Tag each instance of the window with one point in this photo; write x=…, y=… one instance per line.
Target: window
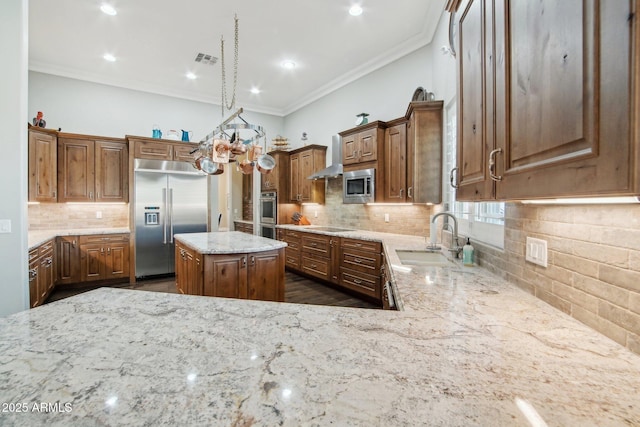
x=481, y=221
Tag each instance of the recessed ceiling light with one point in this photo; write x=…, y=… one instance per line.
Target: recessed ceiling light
x=355, y=10
x=108, y=9
x=255, y=90
x=109, y=57
x=288, y=65
x=191, y=76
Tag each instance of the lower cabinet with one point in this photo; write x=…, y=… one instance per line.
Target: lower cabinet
x=258, y=275
x=41, y=273
x=243, y=227
x=104, y=257
x=351, y=264
x=68, y=262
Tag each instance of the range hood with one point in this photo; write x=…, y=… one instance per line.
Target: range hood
x=335, y=170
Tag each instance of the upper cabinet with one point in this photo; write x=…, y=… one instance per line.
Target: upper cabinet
x=546, y=112
x=304, y=162
x=278, y=179
x=160, y=149
x=92, y=169
x=362, y=144
x=424, y=152
x=43, y=175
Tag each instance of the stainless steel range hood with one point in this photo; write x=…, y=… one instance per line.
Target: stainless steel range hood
x=335, y=170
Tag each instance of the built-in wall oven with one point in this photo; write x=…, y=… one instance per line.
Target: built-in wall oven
x=268, y=214
x=359, y=186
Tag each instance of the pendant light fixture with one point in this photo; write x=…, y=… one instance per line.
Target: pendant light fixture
x=235, y=139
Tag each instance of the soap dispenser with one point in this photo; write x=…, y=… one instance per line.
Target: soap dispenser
x=467, y=253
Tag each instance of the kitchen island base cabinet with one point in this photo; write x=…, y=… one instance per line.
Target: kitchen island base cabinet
x=257, y=276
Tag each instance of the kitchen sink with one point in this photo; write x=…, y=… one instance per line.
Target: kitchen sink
x=423, y=257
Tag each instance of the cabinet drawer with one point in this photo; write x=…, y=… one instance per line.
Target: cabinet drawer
x=153, y=150
x=367, y=262
x=33, y=254
x=293, y=244
x=182, y=153
x=291, y=234
x=316, y=243
x=292, y=258
x=365, y=284
x=46, y=247
x=316, y=266
x=361, y=245
x=104, y=238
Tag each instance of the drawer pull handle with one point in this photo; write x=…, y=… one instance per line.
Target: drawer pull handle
x=358, y=244
x=313, y=266
x=357, y=281
x=358, y=260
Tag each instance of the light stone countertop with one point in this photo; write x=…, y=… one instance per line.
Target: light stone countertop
x=228, y=242
x=37, y=237
x=469, y=349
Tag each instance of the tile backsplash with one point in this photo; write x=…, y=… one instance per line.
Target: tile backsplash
x=47, y=216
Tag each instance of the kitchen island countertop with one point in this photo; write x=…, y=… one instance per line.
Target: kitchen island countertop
x=228, y=242
x=470, y=349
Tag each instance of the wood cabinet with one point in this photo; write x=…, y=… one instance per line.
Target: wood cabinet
x=304, y=162
x=41, y=273
x=360, y=267
x=189, y=270
x=278, y=179
x=243, y=227
x=352, y=264
x=395, y=168
x=104, y=257
x=424, y=152
x=160, y=149
x=545, y=112
x=362, y=144
x=43, y=165
x=68, y=261
x=92, y=169
x=258, y=275
x=247, y=197
x=292, y=251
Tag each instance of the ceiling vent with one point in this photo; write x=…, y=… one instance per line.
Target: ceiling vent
x=206, y=59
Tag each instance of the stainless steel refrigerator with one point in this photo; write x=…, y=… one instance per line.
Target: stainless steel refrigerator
x=170, y=198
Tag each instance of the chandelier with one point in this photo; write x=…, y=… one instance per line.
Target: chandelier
x=235, y=139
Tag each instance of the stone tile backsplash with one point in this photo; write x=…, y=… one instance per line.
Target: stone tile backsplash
x=47, y=216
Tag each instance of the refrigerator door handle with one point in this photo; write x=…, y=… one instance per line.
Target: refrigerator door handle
x=171, y=211
x=164, y=217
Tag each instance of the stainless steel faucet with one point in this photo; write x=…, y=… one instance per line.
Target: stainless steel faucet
x=455, y=247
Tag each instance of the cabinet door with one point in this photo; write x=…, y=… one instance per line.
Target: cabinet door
x=306, y=169
x=564, y=98
x=68, y=260
x=266, y=276
x=395, y=164
x=116, y=260
x=424, y=152
x=93, y=261
x=181, y=266
x=111, y=172
x=34, y=294
x=225, y=276
x=43, y=178
x=76, y=170
x=294, y=183
x=350, y=149
x=475, y=141
x=182, y=152
x=368, y=145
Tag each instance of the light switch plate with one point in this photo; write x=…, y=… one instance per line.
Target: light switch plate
x=536, y=251
x=5, y=226
x=386, y=217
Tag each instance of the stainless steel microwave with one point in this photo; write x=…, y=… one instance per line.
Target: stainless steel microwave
x=359, y=186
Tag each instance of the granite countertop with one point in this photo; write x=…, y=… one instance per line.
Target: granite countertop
x=470, y=349
x=228, y=242
x=37, y=237
x=243, y=221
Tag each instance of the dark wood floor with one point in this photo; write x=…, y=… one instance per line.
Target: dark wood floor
x=298, y=289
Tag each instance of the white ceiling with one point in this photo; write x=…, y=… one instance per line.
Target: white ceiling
x=156, y=42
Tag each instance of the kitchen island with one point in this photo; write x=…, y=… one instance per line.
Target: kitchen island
x=230, y=264
x=469, y=349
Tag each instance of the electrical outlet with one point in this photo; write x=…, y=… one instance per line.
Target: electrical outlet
x=386, y=217
x=5, y=226
x=536, y=251
x=99, y=214
x=315, y=214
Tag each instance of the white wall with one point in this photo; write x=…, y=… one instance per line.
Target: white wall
x=14, y=289
x=384, y=94
x=83, y=107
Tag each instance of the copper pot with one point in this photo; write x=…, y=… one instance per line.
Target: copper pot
x=245, y=166
x=266, y=163
x=237, y=147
